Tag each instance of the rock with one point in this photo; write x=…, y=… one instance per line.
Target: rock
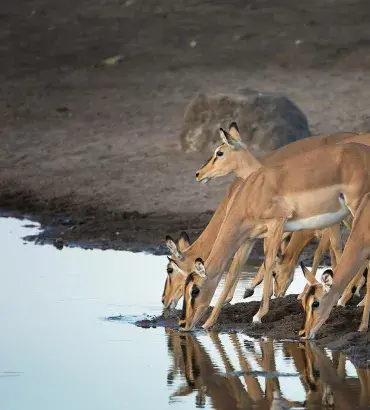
x=266, y=121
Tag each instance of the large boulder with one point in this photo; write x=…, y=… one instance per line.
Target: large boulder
x=266, y=121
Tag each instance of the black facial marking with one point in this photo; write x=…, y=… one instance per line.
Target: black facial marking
x=195, y=291
x=311, y=292
x=183, y=312
x=365, y=273
x=304, y=322
x=189, y=279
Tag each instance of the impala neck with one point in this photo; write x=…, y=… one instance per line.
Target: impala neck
x=203, y=245
x=298, y=241
x=246, y=163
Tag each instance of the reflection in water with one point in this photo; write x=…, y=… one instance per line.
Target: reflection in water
x=252, y=379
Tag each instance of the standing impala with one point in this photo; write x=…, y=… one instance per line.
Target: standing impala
x=243, y=163
x=236, y=158
x=313, y=190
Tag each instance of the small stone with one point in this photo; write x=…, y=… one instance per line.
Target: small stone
x=62, y=109
x=59, y=243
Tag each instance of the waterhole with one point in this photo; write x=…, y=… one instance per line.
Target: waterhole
x=58, y=351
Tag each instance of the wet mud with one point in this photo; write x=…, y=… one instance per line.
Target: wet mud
x=285, y=320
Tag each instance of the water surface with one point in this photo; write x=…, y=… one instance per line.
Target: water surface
x=59, y=351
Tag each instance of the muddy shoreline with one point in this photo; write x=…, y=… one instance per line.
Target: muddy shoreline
x=283, y=323
x=129, y=231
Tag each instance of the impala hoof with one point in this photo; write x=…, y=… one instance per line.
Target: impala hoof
x=256, y=319
x=248, y=293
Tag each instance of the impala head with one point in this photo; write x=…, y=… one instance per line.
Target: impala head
x=225, y=158
x=314, y=298
x=196, y=297
x=284, y=269
x=176, y=272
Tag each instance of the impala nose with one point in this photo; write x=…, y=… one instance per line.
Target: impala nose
x=197, y=174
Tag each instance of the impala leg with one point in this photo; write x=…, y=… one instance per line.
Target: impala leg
x=258, y=278
x=351, y=287
x=322, y=247
x=332, y=258
x=365, y=314
x=237, y=265
x=361, y=282
x=336, y=241
x=233, y=275
x=274, y=233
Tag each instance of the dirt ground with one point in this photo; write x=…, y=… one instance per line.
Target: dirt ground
x=94, y=150
x=283, y=322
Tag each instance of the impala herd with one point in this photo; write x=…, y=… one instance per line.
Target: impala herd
x=303, y=190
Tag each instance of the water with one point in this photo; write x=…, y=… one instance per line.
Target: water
x=59, y=351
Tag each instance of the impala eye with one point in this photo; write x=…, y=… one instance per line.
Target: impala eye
x=219, y=153
x=315, y=304
x=169, y=270
x=195, y=292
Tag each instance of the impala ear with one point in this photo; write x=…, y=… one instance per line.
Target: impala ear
x=175, y=251
x=199, y=268
x=184, y=241
x=230, y=141
x=234, y=131
x=308, y=275
x=327, y=279
x=175, y=267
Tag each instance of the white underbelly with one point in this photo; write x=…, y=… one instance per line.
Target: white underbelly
x=318, y=221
